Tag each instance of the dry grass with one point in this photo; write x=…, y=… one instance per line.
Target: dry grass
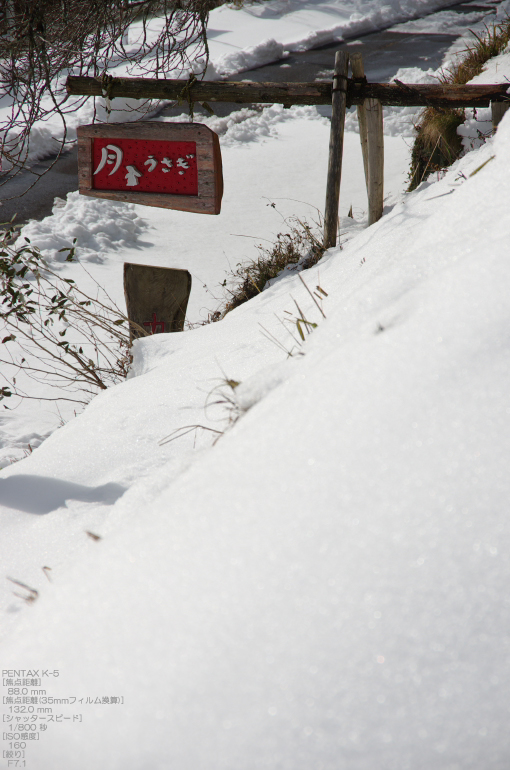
x=437, y=144
x=300, y=247
x=491, y=44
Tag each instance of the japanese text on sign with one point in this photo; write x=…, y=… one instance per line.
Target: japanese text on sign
x=145, y=166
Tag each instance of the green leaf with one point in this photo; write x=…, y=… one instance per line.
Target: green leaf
x=7, y=339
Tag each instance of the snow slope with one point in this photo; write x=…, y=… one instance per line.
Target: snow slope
x=325, y=586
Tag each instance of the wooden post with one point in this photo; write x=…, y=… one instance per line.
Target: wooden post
x=375, y=142
x=498, y=110
x=358, y=71
x=336, y=144
x=370, y=119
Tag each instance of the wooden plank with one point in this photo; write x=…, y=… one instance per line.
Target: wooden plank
x=208, y=164
x=375, y=142
x=156, y=298
x=370, y=119
x=210, y=91
x=358, y=71
x=336, y=144
x=396, y=94
x=426, y=94
x=498, y=110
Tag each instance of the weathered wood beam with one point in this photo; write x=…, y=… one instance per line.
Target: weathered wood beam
x=200, y=91
x=375, y=143
x=395, y=94
x=358, y=71
x=427, y=94
x=370, y=119
x=498, y=110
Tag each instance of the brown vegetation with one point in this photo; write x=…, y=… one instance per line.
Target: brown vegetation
x=437, y=144
x=299, y=247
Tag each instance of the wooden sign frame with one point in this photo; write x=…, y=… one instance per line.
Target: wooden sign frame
x=208, y=155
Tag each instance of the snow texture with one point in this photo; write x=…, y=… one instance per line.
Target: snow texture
x=324, y=584
x=98, y=225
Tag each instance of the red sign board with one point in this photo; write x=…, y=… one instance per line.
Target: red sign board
x=145, y=166
x=174, y=165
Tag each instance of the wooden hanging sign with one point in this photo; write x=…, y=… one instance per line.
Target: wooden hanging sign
x=172, y=165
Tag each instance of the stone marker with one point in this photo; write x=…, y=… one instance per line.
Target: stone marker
x=156, y=298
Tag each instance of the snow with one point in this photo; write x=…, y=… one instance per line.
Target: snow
x=325, y=584
x=99, y=227
x=298, y=26
x=478, y=123
x=283, y=158
x=399, y=121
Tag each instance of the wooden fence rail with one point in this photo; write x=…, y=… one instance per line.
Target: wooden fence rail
x=394, y=94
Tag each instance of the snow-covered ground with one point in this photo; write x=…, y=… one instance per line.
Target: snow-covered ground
x=326, y=584
x=260, y=33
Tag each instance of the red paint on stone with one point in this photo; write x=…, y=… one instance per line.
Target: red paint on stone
x=154, y=325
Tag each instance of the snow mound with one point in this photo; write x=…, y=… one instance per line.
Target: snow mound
x=327, y=585
x=252, y=125
x=99, y=226
x=264, y=52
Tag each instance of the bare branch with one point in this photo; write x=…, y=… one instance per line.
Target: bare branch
x=43, y=41
x=53, y=332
